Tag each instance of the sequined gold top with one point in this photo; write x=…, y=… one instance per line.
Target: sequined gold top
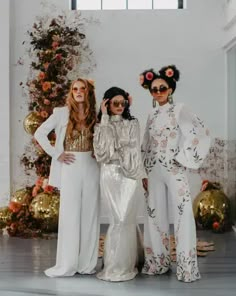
x=81, y=141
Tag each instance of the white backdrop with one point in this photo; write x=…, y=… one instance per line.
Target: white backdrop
x=125, y=43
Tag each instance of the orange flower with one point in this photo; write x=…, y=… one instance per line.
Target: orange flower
x=46, y=102
x=14, y=206
x=42, y=75
x=39, y=182
x=216, y=225
x=46, y=85
x=48, y=189
x=204, y=185
x=55, y=45
x=44, y=114
x=45, y=65
x=35, y=190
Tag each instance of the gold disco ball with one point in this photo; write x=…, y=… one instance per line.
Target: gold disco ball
x=5, y=216
x=211, y=210
x=22, y=196
x=45, y=209
x=31, y=122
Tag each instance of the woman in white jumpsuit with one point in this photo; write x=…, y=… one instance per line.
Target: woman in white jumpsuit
x=75, y=171
x=175, y=139
x=117, y=148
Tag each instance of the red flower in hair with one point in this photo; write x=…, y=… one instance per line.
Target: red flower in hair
x=130, y=99
x=149, y=75
x=141, y=79
x=169, y=72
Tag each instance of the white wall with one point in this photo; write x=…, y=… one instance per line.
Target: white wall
x=4, y=104
x=125, y=43
x=230, y=22
x=230, y=52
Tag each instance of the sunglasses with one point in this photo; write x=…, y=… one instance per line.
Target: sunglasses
x=120, y=103
x=161, y=89
x=81, y=89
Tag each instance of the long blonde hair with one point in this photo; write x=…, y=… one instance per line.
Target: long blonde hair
x=90, y=117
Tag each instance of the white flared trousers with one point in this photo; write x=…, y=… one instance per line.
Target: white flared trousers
x=78, y=229
x=172, y=182
x=120, y=249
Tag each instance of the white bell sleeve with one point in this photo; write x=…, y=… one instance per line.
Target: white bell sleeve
x=194, y=140
x=129, y=152
x=103, y=140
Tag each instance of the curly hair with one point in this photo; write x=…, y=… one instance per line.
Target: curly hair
x=168, y=73
x=111, y=93
x=90, y=117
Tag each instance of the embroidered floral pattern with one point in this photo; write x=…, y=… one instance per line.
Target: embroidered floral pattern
x=187, y=268
x=156, y=264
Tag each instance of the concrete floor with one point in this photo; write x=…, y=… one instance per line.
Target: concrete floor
x=22, y=262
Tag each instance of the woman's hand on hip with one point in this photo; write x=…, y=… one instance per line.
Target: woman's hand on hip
x=145, y=184
x=67, y=158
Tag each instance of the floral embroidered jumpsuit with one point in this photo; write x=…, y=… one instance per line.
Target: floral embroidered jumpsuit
x=175, y=139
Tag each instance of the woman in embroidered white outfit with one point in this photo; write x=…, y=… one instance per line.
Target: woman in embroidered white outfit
x=117, y=148
x=175, y=139
x=72, y=163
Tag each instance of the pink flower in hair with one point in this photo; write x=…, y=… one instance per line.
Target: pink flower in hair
x=130, y=99
x=141, y=79
x=169, y=72
x=149, y=75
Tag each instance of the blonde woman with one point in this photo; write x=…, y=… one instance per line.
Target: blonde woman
x=72, y=163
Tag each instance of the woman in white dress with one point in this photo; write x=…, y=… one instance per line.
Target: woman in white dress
x=175, y=139
x=72, y=163
x=117, y=148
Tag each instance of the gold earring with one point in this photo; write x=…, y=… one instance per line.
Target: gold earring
x=154, y=103
x=170, y=99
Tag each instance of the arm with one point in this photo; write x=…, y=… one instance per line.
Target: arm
x=103, y=141
x=195, y=140
x=129, y=151
x=42, y=132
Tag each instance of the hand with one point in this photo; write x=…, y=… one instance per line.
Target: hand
x=145, y=184
x=67, y=158
x=104, y=106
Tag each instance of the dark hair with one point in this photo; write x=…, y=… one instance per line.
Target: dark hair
x=168, y=73
x=111, y=93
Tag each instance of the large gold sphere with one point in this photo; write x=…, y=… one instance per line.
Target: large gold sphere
x=22, y=196
x=31, y=122
x=45, y=208
x=5, y=216
x=212, y=210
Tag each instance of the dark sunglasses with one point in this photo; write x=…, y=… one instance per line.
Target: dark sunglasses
x=120, y=103
x=81, y=89
x=161, y=89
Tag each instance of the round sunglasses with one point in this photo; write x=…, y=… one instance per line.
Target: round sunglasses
x=161, y=89
x=123, y=104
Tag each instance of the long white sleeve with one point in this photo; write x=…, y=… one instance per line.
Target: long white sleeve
x=41, y=134
x=195, y=140
x=103, y=140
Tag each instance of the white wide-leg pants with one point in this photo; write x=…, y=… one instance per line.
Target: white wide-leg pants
x=162, y=180
x=78, y=229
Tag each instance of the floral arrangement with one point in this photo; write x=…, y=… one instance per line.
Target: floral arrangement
x=57, y=48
